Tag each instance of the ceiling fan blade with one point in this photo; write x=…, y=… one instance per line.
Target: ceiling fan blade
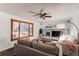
x=33, y=12
x=36, y=15
x=47, y=16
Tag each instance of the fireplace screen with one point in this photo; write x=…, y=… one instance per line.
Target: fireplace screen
x=56, y=33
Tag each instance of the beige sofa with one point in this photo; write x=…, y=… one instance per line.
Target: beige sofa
x=34, y=48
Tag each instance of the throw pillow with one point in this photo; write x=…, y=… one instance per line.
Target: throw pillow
x=69, y=44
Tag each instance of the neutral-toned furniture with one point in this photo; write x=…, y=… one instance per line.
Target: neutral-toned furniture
x=50, y=38
x=34, y=48
x=59, y=45
x=66, y=51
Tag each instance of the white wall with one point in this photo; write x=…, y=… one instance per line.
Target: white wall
x=55, y=22
x=5, y=30
x=64, y=12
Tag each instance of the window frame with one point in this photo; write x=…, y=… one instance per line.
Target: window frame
x=13, y=20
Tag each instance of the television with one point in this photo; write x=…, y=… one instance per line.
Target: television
x=56, y=33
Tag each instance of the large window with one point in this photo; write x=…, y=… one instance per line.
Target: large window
x=21, y=29
x=24, y=29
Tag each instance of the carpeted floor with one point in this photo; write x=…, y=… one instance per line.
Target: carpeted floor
x=9, y=52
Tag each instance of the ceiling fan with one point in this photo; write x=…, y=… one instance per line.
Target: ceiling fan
x=41, y=14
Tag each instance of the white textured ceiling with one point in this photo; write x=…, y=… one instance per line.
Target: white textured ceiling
x=57, y=10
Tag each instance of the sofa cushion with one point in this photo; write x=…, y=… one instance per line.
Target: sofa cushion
x=45, y=40
x=51, y=43
x=25, y=42
x=46, y=48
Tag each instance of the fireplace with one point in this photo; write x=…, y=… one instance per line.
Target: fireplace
x=55, y=33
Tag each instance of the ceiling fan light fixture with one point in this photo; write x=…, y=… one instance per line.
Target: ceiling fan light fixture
x=41, y=14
